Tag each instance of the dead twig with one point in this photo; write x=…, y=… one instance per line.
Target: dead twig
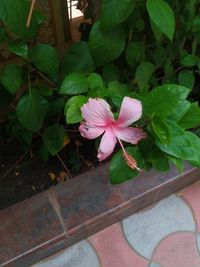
x=64, y=165
x=17, y=162
x=28, y=22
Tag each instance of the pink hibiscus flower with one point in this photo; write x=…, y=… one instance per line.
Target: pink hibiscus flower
x=99, y=119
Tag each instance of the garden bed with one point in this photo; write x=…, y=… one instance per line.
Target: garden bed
x=73, y=210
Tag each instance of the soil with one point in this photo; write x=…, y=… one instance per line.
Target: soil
x=23, y=174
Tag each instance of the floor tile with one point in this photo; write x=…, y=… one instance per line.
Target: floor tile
x=178, y=250
x=198, y=242
x=192, y=195
x=154, y=264
x=79, y=255
x=113, y=249
x=145, y=230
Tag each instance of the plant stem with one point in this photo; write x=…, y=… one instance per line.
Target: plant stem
x=64, y=165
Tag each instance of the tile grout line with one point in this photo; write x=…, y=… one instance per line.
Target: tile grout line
x=195, y=221
x=95, y=250
x=56, y=208
x=125, y=238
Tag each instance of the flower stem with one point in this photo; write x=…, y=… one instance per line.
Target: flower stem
x=131, y=162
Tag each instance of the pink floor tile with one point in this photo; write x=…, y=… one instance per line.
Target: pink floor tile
x=178, y=250
x=113, y=249
x=192, y=195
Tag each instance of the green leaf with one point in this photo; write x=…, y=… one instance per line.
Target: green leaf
x=156, y=31
x=19, y=48
x=53, y=138
x=78, y=59
x=95, y=80
x=44, y=153
x=114, y=12
x=196, y=24
x=161, y=130
x=31, y=110
x=160, y=56
x=110, y=73
x=73, y=109
x=163, y=100
x=26, y=135
x=117, y=92
x=184, y=145
x=177, y=162
x=186, y=78
x=134, y=52
x=143, y=73
x=45, y=58
x=162, y=15
x=74, y=84
x=189, y=60
x=14, y=15
x=44, y=90
x=191, y=119
x=105, y=46
x=11, y=78
x=3, y=35
x=153, y=155
x=179, y=111
x=119, y=171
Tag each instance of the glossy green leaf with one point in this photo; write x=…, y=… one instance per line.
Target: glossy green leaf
x=73, y=109
x=153, y=155
x=45, y=58
x=74, y=84
x=119, y=171
x=162, y=15
x=117, y=92
x=11, y=78
x=191, y=119
x=78, y=59
x=179, y=111
x=95, y=80
x=105, y=46
x=161, y=130
x=143, y=73
x=53, y=138
x=156, y=31
x=184, y=145
x=19, y=48
x=31, y=110
x=177, y=162
x=186, y=78
x=163, y=100
x=114, y=12
x=189, y=61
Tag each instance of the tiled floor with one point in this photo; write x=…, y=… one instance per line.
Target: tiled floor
x=164, y=235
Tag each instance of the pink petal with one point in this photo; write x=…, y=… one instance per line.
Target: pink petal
x=97, y=112
x=90, y=132
x=131, y=111
x=129, y=134
x=107, y=145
